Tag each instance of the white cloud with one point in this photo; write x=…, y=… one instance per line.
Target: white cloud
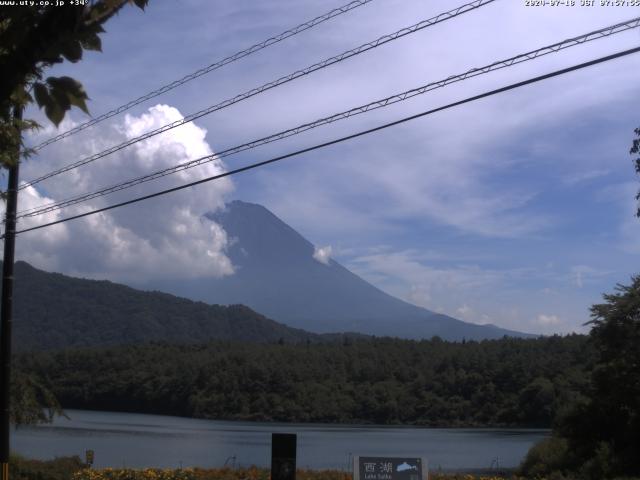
x=322, y=254
x=163, y=236
x=420, y=295
x=409, y=275
x=42, y=246
x=623, y=196
x=630, y=235
x=468, y=314
x=548, y=320
x=508, y=297
x=583, y=177
x=582, y=274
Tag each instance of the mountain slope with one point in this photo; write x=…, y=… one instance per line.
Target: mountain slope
x=54, y=311
x=277, y=275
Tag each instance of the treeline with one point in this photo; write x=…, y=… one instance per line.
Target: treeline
x=508, y=382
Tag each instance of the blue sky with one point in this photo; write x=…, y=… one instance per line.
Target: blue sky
x=516, y=210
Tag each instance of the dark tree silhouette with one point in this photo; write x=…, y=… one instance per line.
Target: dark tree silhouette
x=604, y=430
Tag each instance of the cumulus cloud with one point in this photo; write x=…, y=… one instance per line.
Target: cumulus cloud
x=163, y=236
x=42, y=246
x=322, y=254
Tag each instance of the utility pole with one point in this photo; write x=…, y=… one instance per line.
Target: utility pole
x=6, y=314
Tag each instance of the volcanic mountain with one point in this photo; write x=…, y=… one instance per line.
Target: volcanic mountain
x=276, y=275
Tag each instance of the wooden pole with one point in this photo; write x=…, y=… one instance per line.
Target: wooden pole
x=6, y=305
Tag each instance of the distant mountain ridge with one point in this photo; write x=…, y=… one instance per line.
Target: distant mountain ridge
x=277, y=275
x=54, y=311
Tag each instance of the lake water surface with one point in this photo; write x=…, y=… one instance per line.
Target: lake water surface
x=136, y=440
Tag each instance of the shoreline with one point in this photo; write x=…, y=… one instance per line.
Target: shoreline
x=278, y=423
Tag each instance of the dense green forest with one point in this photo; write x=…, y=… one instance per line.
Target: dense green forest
x=516, y=382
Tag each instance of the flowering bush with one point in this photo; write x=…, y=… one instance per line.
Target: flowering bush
x=252, y=473
x=132, y=474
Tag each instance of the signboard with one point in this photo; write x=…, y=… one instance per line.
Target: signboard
x=389, y=468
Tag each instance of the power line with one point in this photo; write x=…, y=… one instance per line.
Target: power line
x=342, y=139
x=210, y=68
x=531, y=55
x=267, y=86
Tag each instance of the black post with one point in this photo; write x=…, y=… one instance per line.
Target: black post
x=6, y=313
x=283, y=456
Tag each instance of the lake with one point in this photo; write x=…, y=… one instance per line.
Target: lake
x=137, y=440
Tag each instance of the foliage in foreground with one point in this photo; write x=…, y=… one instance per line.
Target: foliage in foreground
x=254, y=473
x=599, y=437
x=32, y=400
x=62, y=468
x=251, y=473
x=71, y=468
x=32, y=40
x=548, y=455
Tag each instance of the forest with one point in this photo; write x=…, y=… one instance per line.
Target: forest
x=507, y=382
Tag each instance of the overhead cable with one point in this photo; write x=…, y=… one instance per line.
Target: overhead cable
x=531, y=55
x=267, y=86
x=210, y=68
x=339, y=140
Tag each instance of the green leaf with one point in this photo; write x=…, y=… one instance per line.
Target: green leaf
x=92, y=42
x=141, y=3
x=20, y=96
x=54, y=112
x=67, y=84
x=41, y=93
x=111, y=4
x=73, y=91
x=78, y=102
x=72, y=51
x=61, y=98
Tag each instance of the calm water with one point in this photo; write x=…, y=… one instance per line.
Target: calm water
x=135, y=440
